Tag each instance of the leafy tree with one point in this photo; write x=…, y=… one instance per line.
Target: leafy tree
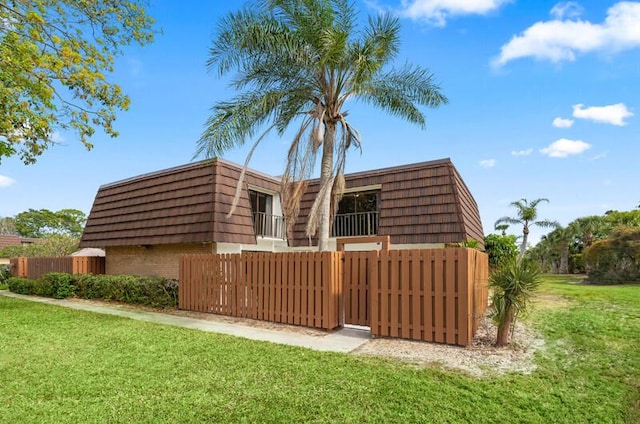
x=625, y=218
x=616, y=259
x=526, y=215
x=8, y=226
x=55, y=57
x=303, y=61
x=38, y=223
x=501, y=249
x=513, y=286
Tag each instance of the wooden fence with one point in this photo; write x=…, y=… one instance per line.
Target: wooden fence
x=300, y=288
x=34, y=267
x=436, y=295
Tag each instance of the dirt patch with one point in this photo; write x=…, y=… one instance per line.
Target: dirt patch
x=550, y=301
x=480, y=359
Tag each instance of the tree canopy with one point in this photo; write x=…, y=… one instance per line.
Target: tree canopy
x=301, y=62
x=43, y=222
x=55, y=60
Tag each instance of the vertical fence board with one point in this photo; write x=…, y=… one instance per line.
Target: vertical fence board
x=416, y=293
x=450, y=295
x=405, y=299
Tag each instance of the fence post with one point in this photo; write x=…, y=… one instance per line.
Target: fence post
x=22, y=267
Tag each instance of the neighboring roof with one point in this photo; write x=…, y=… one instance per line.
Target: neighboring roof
x=185, y=204
x=89, y=251
x=424, y=202
x=12, y=240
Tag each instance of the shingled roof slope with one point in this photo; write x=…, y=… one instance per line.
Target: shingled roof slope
x=186, y=204
x=419, y=203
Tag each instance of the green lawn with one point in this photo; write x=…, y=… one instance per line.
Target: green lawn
x=59, y=365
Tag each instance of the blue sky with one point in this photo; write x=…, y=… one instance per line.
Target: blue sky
x=544, y=102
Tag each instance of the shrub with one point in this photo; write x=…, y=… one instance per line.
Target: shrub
x=4, y=276
x=30, y=287
x=156, y=292
x=616, y=259
x=501, y=249
x=61, y=284
x=149, y=291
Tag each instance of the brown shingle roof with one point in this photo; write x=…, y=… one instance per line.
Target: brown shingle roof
x=419, y=203
x=12, y=240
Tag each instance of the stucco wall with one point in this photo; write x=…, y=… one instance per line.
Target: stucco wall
x=151, y=261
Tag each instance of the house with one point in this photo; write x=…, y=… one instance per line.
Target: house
x=7, y=240
x=144, y=223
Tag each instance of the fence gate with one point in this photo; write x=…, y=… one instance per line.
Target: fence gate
x=355, y=277
x=356, y=288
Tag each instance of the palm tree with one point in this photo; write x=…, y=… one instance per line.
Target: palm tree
x=559, y=241
x=302, y=60
x=503, y=228
x=527, y=213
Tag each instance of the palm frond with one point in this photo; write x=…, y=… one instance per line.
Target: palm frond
x=545, y=223
x=507, y=220
x=534, y=203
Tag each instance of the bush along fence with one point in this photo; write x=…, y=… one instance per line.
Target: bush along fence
x=35, y=267
x=436, y=295
x=156, y=292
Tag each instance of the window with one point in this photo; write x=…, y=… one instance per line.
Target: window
x=265, y=224
x=357, y=215
x=260, y=202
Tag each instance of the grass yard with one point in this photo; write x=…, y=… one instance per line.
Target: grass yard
x=59, y=365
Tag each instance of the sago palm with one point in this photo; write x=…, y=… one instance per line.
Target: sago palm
x=526, y=215
x=299, y=62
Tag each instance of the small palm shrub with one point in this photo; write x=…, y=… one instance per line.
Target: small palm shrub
x=513, y=284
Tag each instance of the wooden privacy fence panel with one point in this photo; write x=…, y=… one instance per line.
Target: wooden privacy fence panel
x=429, y=295
x=88, y=265
x=436, y=295
x=35, y=267
x=301, y=288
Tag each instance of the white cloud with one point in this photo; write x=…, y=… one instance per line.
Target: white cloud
x=611, y=114
x=562, y=123
x=563, y=147
x=6, y=181
x=559, y=40
x=488, y=163
x=525, y=152
x=56, y=137
x=437, y=12
x=599, y=156
x=567, y=9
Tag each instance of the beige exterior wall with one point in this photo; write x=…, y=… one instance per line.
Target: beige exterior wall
x=164, y=260
x=151, y=261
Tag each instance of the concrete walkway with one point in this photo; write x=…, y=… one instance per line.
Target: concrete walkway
x=344, y=340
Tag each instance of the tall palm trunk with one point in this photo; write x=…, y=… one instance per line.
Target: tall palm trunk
x=564, y=259
x=326, y=177
x=523, y=246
